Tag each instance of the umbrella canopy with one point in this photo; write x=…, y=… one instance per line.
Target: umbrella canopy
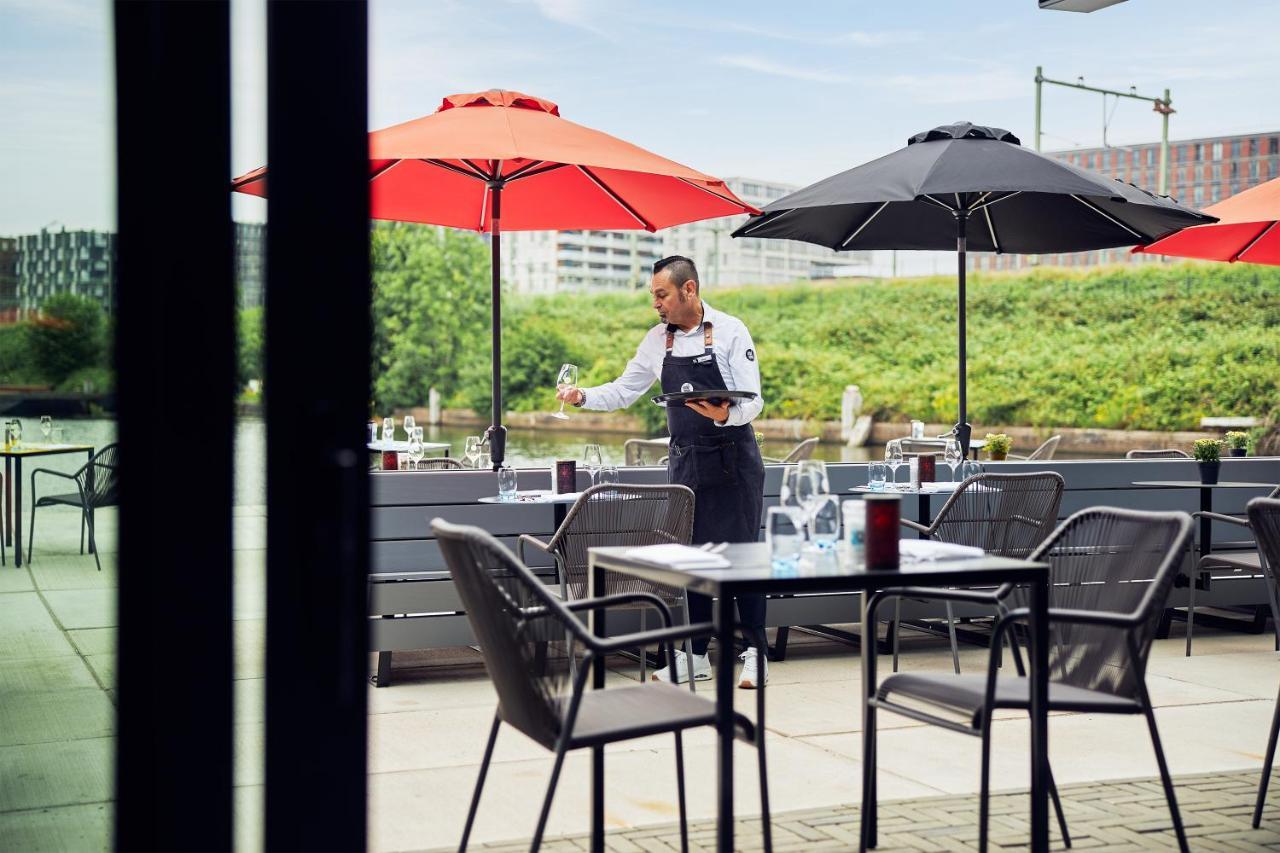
x=1246, y=230
x=495, y=160
x=970, y=187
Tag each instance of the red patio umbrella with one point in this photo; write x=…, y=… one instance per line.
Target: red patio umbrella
x=1245, y=231
x=495, y=160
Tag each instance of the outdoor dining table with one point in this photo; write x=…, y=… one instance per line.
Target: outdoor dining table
x=924, y=493
x=559, y=501
x=13, y=485
x=1206, y=501
x=403, y=446
x=941, y=443
x=751, y=571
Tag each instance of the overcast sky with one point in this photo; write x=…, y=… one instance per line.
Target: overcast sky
x=788, y=91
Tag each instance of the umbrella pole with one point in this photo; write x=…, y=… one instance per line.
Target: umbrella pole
x=962, y=427
x=496, y=434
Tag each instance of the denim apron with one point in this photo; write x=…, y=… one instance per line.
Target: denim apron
x=722, y=465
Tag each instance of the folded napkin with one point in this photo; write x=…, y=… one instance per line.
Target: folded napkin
x=927, y=549
x=678, y=557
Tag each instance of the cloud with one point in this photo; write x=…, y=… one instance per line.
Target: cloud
x=582, y=14
x=955, y=87
x=860, y=38
x=777, y=69
x=81, y=14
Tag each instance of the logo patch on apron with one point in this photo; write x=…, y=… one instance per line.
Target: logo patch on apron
x=702, y=359
x=751, y=355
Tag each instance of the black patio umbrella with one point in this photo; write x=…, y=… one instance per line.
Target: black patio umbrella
x=971, y=187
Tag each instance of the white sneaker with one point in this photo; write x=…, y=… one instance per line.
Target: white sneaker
x=749, y=678
x=701, y=669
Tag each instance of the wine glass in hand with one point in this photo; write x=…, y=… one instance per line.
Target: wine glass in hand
x=566, y=379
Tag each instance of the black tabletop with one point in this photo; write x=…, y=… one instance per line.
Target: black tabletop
x=1196, y=484
x=751, y=571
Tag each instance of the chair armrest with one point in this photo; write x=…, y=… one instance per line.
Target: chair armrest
x=647, y=638
x=914, y=525
x=972, y=596
x=1225, y=519
x=606, y=601
x=52, y=473
x=1079, y=617
x=544, y=547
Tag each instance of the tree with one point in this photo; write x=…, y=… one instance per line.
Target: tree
x=249, y=347
x=430, y=310
x=66, y=336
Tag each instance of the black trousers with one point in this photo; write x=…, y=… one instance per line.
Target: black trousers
x=750, y=619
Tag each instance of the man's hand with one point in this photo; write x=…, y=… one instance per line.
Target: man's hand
x=571, y=394
x=719, y=413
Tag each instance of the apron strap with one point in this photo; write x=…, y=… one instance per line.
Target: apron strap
x=706, y=338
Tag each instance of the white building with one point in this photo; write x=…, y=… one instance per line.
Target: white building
x=724, y=261
x=558, y=261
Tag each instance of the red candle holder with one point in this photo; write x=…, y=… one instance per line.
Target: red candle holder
x=390, y=460
x=883, y=514
x=926, y=468
x=566, y=476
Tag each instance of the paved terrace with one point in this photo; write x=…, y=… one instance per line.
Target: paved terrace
x=427, y=733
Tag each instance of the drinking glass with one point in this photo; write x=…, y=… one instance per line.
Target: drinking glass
x=824, y=525
x=566, y=378
x=471, y=453
x=952, y=455
x=784, y=531
x=893, y=458
x=592, y=460
x=970, y=468
x=506, y=483
x=16, y=433
x=388, y=432
x=877, y=474
x=415, y=448
x=484, y=459
x=373, y=432
x=607, y=474
x=409, y=425
x=789, y=495
x=58, y=435
x=46, y=427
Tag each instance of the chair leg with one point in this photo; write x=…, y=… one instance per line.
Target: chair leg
x=1057, y=807
x=894, y=628
x=765, y=819
x=867, y=830
x=1164, y=774
x=1191, y=610
x=684, y=818
x=951, y=629
x=551, y=792
x=484, y=769
x=31, y=533
x=644, y=655
x=1266, y=765
x=83, y=518
x=984, y=786
x=93, y=546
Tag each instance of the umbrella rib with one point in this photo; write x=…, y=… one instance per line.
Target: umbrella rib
x=991, y=226
x=382, y=170
x=520, y=171
x=977, y=201
x=452, y=168
x=939, y=203
x=484, y=207
x=481, y=172
x=996, y=200
x=765, y=219
x=1109, y=217
x=847, y=240
x=648, y=226
x=520, y=174
x=1240, y=254
x=704, y=189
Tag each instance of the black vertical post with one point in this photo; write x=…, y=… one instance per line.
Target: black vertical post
x=175, y=366
x=317, y=399
x=962, y=426
x=497, y=433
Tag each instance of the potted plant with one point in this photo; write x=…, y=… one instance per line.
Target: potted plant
x=1208, y=453
x=998, y=446
x=1237, y=443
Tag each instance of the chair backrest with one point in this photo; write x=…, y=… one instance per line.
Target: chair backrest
x=803, y=450
x=624, y=515
x=1117, y=561
x=439, y=463
x=1007, y=515
x=644, y=451
x=519, y=627
x=1046, y=450
x=100, y=477
x=1168, y=453
x=1264, y=520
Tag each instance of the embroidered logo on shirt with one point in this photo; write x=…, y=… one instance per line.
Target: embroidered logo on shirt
x=751, y=355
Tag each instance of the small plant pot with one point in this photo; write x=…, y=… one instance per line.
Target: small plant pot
x=1238, y=451
x=997, y=457
x=1209, y=472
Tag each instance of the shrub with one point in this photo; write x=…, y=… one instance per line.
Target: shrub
x=1207, y=450
x=66, y=336
x=1237, y=440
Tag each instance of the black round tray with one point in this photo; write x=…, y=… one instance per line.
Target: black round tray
x=713, y=397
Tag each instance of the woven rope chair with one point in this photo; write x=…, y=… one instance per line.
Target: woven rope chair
x=623, y=515
x=97, y=485
x=1168, y=453
x=645, y=451
x=543, y=694
x=803, y=450
x=1111, y=571
x=1006, y=515
x=1043, y=452
x=439, y=463
x=1230, y=564
x=1264, y=520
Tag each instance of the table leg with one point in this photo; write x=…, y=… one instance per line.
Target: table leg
x=1040, y=715
x=1206, y=526
x=724, y=721
x=868, y=828
x=8, y=500
x=923, y=513
x=595, y=579
x=16, y=520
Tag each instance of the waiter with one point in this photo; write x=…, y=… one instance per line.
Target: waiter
x=713, y=447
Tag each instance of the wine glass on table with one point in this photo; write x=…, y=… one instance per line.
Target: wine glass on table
x=471, y=452
x=893, y=458
x=593, y=461
x=952, y=455
x=566, y=378
x=46, y=427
